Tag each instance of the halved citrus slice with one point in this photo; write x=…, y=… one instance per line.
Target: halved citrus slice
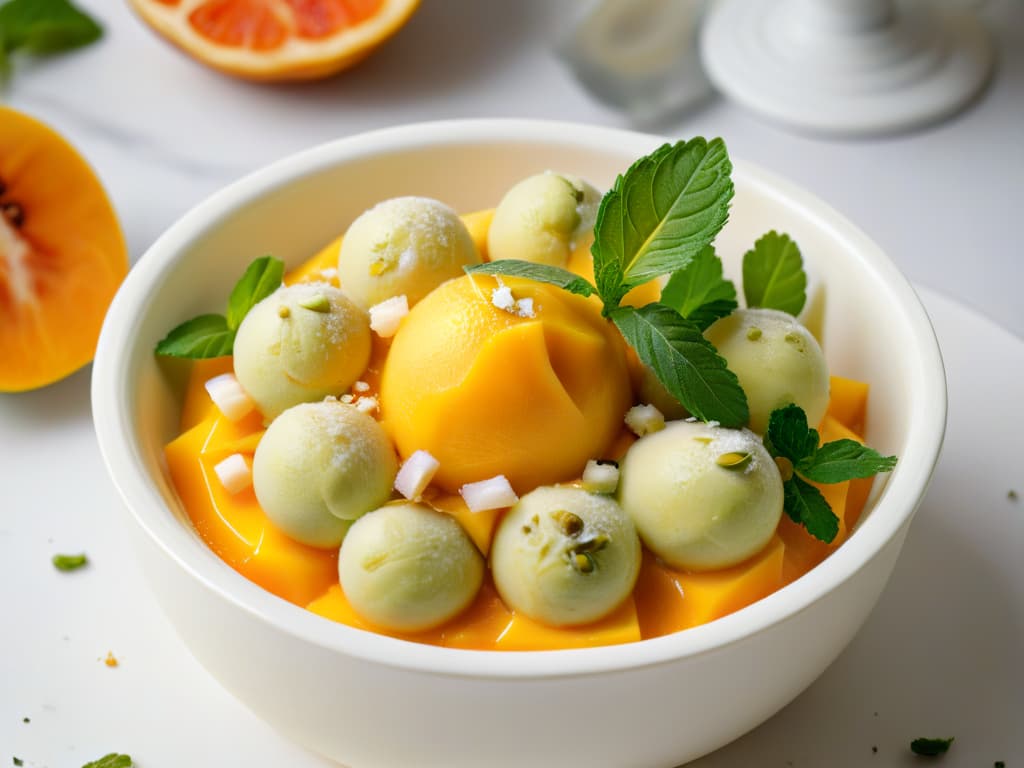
x=277, y=39
x=62, y=255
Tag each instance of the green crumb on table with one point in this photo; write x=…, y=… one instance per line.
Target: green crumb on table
x=998, y=764
x=930, y=747
x=1012, y=495
x=113, y=760
x=18, y=761
x=69, y=562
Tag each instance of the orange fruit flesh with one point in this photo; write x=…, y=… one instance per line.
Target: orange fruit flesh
x=62, y=255
x=664, y=600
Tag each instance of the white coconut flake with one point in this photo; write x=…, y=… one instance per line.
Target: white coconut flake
x=348, y=399
x=361, y=386
x=234, y=473
x=502, y=298
x=644, y=419
x=329, y=273
x=386, y=316
x=524, y=307
x=601, y=476
x=415, y=474
x=493, y=493
x=229, y=397
x=367, y=404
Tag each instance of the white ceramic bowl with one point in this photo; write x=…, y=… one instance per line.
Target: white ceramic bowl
x=368, y=700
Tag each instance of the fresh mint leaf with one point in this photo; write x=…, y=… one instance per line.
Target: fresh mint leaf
x=773, y=274
x=45, y=26
x=842, y=460
x=659, y=215
x=543, y=273
x=805, y=505
x=113, y=760
x=788, y=434
x=69, y=562
x=261, y=279
x=699, y=292
x=930, y=747
x=685, y=362
x=201, y=337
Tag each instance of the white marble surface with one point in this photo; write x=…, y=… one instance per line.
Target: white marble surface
x=163, y=132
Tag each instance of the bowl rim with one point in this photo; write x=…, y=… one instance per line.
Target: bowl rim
x=113, y=419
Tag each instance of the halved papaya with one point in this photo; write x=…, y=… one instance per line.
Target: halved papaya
x=62, y=255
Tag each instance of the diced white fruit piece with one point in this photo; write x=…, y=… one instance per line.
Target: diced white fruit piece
x=416, y=474
x=493, y=493
x=386, y=316
x=229, y=397
x=367, y=404
x=644, y=419
x=601, y=476
x=234, y=473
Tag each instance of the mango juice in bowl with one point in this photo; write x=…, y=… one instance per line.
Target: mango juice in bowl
x=340, y=688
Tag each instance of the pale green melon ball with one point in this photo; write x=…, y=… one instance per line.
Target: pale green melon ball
x=403, y=246
x=777, y=361
x=564, y=556
x=702, y=497
x=301, y=344
x=318, y=467
x=542, y=219
x=408, y=567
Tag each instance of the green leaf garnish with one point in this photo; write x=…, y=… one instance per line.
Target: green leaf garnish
x=43, y=27
x=805, y=505
x=789, y=437
x=699, y=292
x=660, y=214
x=201, y=337
x=113, y=760
x=773, y=274
x=685, y=362
x=261, y=279
x=930, y=747
x=844, y=460
x=542, y=273
x=69, y=562
x=213, y=335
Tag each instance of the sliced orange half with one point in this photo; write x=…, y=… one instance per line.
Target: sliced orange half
x=62, y=255
x=277, y=39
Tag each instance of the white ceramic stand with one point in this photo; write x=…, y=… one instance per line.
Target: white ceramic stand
x=846, y=67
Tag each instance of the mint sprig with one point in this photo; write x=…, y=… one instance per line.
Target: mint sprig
x=213, y=335
x=43, y=27
x=773, y=274
x=658, y=218
x=699, y=292
x=789, y=437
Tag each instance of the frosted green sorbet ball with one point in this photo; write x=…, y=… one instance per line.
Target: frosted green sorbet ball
x=543, y=218
x=777, y=361
x=408, y=567
x=301, y=344
x=403, y=246
x=564, y=556
x=318, y=467
x=702, y=497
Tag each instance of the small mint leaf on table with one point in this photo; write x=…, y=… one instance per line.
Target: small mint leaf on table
x=45, y=26
x=69, y=562
x=930, y=747
x=806, y=505
x=789, y=435
x=773, y=274
x=659, y=215
x=542, y=273
x=201, y=337
x=699, y=292
x=261, y=279
x=842, y=460
x=113, y=760
x=685, y=362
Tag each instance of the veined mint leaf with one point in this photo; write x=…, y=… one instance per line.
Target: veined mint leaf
x=931, y=747
x=113, y=760
x=660, y=214
x=789, y=436
x=69, y=562
x=262, y=277
x=543, y=273
x=773, y=274
x=45, y=26
x=685, y=362
x=842, y=460
x=201, y=337
x=805, y=505
x=699, y=292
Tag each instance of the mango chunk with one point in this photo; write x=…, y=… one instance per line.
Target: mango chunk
x=198, y=406
x=848, y=403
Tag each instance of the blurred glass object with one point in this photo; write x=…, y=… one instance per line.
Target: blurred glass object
x=639, y=56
